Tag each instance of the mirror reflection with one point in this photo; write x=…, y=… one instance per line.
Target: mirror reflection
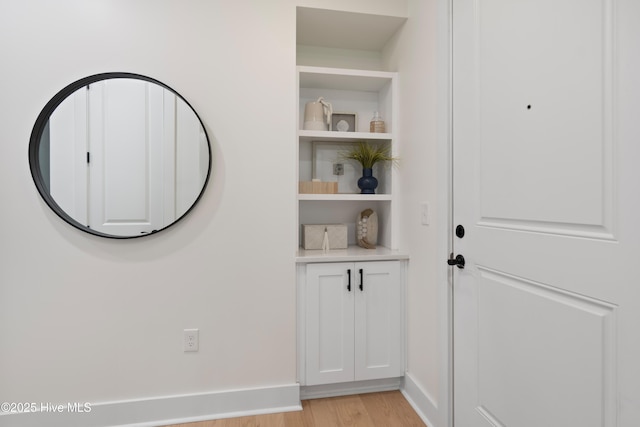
x=121, y=156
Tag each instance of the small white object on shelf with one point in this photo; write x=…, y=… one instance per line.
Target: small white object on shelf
x=325, y=240
x=342, y=126
x=317, y=115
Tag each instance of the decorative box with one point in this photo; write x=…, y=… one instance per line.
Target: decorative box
x=314, y=187
x=313, y=234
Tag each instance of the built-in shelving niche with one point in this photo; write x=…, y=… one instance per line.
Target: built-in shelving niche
x=346, y=72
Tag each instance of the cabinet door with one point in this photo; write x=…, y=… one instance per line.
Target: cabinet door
x=329, y=323
x=378, y=324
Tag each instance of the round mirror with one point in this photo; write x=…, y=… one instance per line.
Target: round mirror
x=119, y=155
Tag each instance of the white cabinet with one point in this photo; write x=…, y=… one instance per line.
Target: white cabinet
x=353, y=327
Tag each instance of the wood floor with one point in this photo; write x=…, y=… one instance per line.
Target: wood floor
x=385, y=409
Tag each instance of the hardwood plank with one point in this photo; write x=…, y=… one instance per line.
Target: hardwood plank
x=391, y=409
x=351, y=411
x=384, y=409
x=270, y=420
x=323, y=412
x=380, y=409
x=302, y=418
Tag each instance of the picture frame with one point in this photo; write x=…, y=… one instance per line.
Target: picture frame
x=344, y=122
x=324, y=156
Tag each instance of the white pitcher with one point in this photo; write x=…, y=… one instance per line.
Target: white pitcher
x=317, y=115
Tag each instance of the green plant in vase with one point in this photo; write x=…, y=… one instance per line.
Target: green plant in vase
x=368, y=154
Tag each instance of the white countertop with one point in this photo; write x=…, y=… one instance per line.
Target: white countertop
x=352, y=253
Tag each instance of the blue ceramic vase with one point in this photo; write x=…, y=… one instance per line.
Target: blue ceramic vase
x=368, y=183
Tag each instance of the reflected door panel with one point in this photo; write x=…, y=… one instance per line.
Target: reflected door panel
x=126, y=137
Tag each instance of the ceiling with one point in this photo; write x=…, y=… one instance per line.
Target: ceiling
x=345, y=30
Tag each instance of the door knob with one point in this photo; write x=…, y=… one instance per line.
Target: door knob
x=458, y=260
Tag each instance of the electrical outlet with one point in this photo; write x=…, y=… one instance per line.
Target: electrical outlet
x=191, y=341
x=338, y=169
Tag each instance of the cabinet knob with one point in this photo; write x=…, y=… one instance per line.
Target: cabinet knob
x=361, y=281
x=349, y=280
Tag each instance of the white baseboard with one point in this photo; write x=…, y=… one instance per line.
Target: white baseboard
x=166, y=410
x=422, y=403
x=344, y=389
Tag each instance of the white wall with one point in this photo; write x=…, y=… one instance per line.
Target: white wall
x=90, y=319
x=414, y=54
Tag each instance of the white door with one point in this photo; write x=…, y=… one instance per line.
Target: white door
x=131, y=143
x=330, y=290
x=378, y=320
x=546, y=137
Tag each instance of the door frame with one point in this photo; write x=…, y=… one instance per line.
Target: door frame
x=445, y=210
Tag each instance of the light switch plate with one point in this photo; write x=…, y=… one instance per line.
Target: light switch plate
x=424, y=213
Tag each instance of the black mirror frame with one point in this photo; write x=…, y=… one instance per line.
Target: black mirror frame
x=41, y=122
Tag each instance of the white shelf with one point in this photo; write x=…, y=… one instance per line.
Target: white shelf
x=343, y=79
x=320, y=135
x=347, y=197
x=345, y=30
x=352, y=253
x=361, y=92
